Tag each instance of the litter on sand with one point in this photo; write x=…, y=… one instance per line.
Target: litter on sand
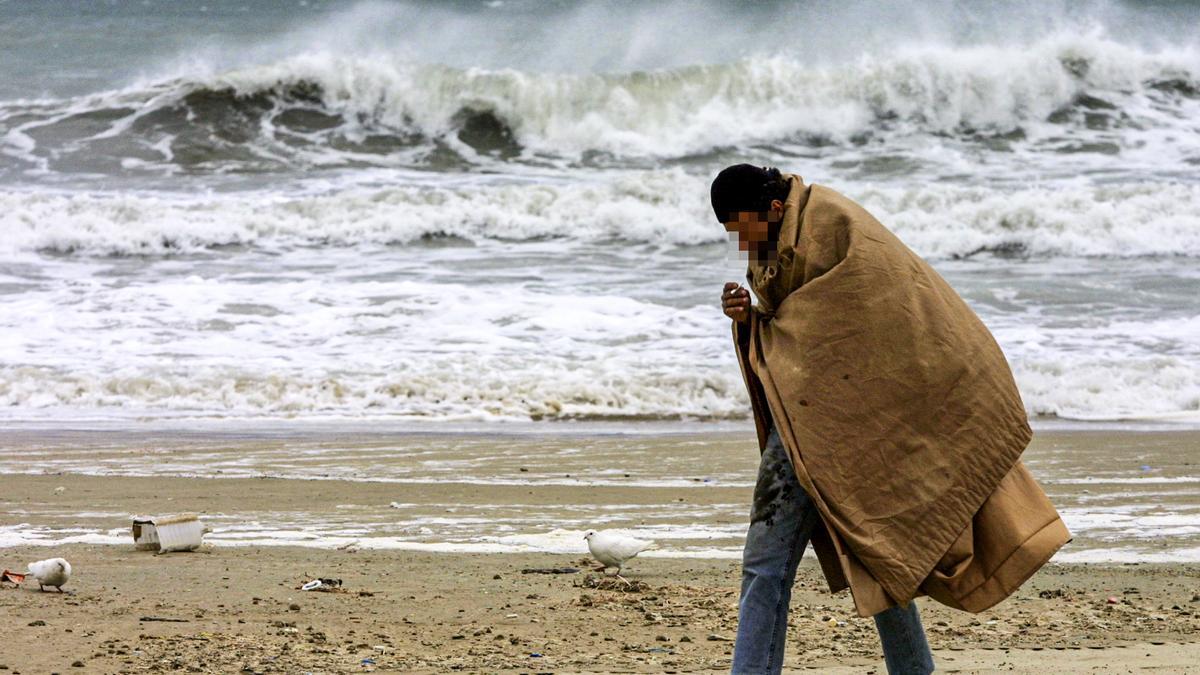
x=166, y=534
x=325, y=585
x=11, y=577
x=611, y=584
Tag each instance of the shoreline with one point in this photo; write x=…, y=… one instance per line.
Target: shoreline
x=390, y=425
x=1125, y=497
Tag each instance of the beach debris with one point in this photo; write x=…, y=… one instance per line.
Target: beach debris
x=162, y=619
x=167, y=534
x=547, y=570
x=713, y=637
x=1113, y=600
x=611, y=549
x=323, y=584
x=11, y=577
x=59, y=490
x=611, y=584
x=51, y=572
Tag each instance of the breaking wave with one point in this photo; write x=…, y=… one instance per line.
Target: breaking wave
x=665, y=207
x=1164, y=389
x=322, y=109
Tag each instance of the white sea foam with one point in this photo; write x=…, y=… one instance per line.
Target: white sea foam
x=439, y=334
x=558, y=541
x=648, y=207
x=1086, y=220
x=669, y=207
x=1075, y=386
x=23, y=534
x=432, y=390
x=1124, y=480
x=1131, y=554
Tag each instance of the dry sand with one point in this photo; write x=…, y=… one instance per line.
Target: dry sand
x=240, y=609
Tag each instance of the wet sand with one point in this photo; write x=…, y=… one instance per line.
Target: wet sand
x=239, y=608
x=1127, y=497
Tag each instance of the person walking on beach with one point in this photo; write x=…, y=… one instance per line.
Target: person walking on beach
x=888, y=421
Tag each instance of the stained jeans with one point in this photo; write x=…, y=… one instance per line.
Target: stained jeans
x=781, y=523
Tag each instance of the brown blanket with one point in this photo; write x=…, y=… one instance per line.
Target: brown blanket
x=899, y=412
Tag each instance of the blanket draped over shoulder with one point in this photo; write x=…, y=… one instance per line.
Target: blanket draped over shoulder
x=898, y=410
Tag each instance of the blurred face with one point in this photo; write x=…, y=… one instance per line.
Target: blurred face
x=753, y=227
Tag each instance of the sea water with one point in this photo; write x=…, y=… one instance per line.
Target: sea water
x=498, y=210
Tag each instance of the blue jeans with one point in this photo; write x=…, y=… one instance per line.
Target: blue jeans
x=781, y=523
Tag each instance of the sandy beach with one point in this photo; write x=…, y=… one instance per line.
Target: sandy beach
x=240, y=609
x=425, y=604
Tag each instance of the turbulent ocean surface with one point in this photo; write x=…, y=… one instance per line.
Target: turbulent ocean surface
x=485, y=211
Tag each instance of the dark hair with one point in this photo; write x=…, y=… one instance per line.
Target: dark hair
x=745, y=187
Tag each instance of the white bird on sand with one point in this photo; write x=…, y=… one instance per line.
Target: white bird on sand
x=613, y=550
x=53, y=572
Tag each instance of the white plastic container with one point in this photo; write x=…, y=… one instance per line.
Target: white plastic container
x=168, y=533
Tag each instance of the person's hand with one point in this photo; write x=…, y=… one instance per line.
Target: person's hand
x=735, y=302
